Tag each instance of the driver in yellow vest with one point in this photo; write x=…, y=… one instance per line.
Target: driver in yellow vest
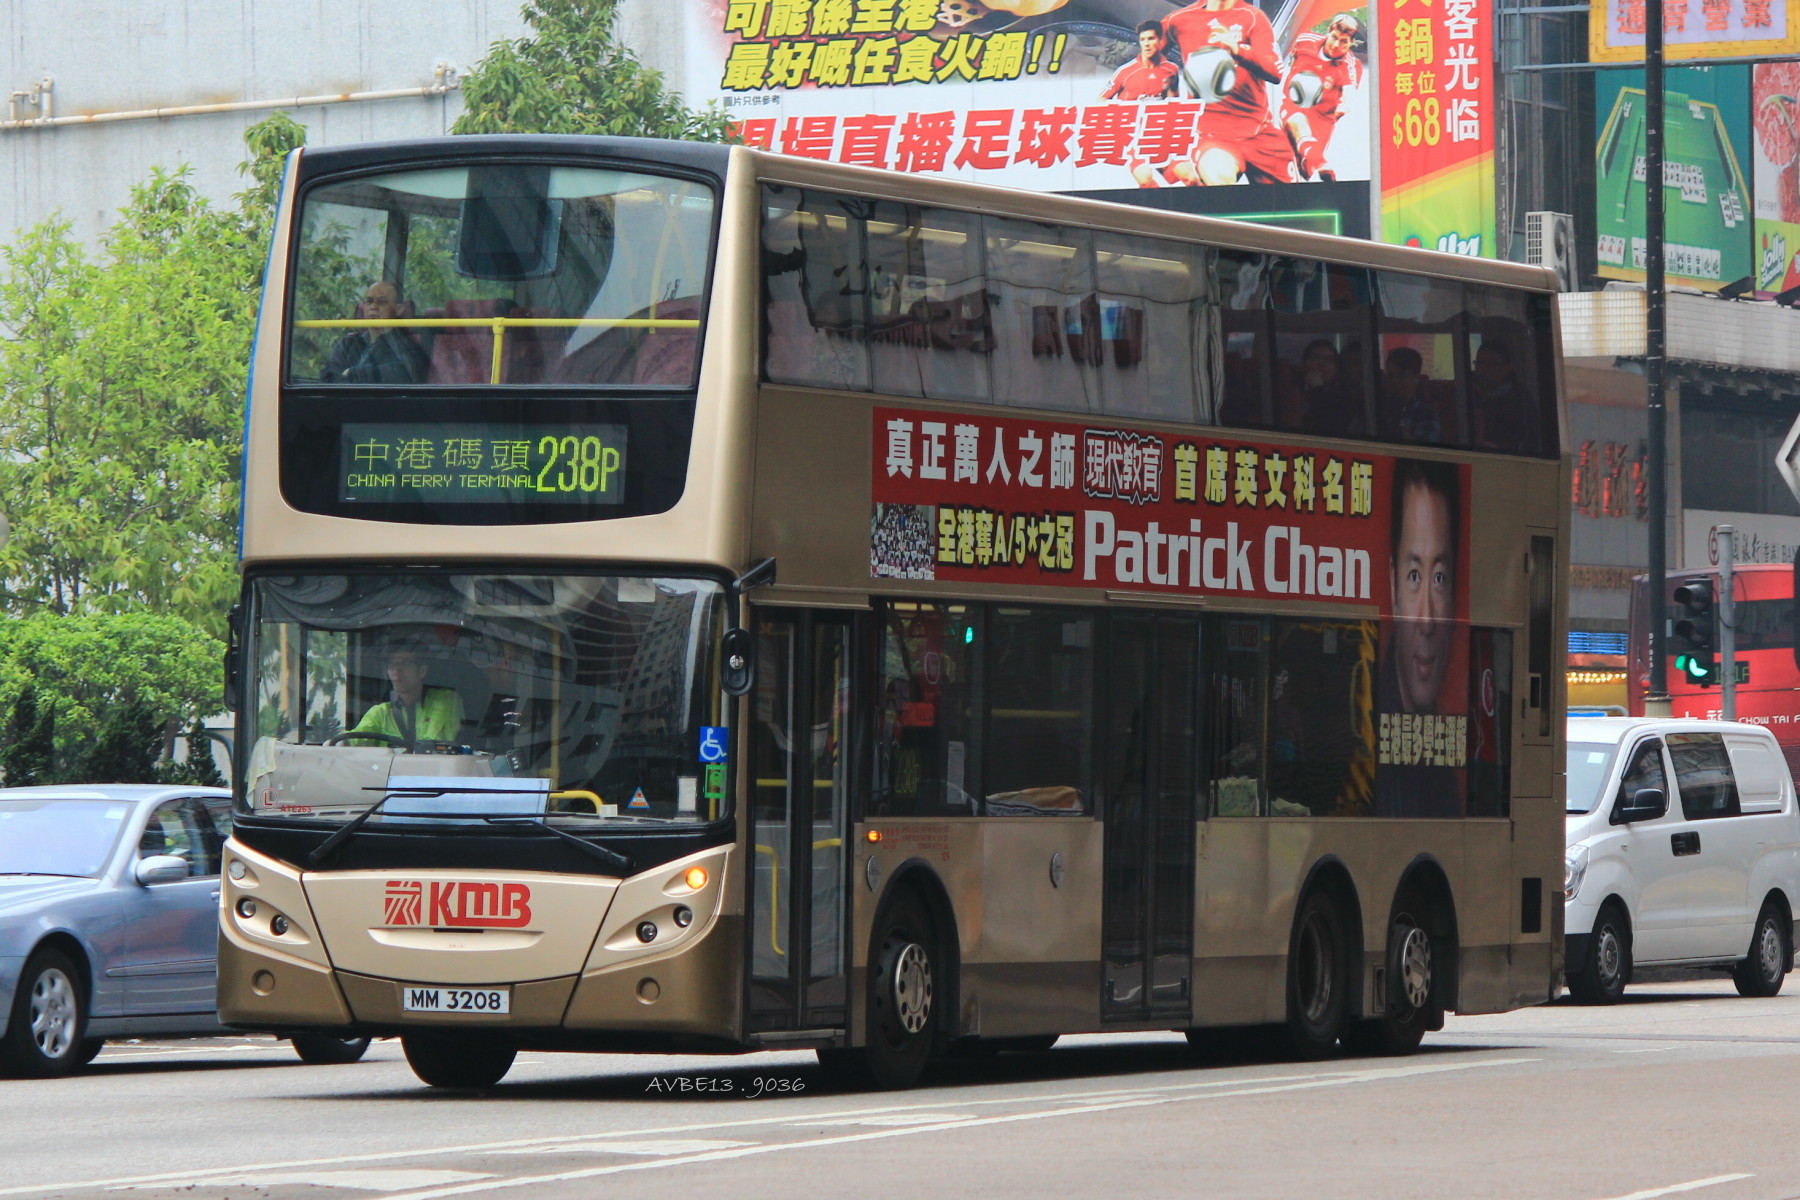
x=413, y=712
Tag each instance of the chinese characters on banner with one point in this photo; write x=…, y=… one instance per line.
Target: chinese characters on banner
x=1437, y=125
x=1694, y=29
x=1001, y=500
x=1050, y=95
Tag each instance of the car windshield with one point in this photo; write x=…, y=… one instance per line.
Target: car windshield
x=44, y=836
x=581, y=699
x=1589, y=764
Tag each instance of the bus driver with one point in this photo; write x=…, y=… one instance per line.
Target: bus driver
x=412, y=712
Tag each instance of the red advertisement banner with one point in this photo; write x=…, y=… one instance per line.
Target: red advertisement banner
x=1437, y=125
x=1008, y=500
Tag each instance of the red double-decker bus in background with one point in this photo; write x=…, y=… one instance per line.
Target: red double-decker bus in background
x=1768, y=690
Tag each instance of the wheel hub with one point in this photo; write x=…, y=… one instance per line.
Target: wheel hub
x=1315, y=975
x=1608, y=950
x=1769, y=950
x=53, y=1013
x=911, y=984
x=1413, y=975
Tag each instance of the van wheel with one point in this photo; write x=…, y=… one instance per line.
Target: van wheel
x=1318, y=978
x=1763, y=970
x=324, y=1049
x=1411, y=985
x=1603, y=976
x=44, y=1034
x=446, y=1061
x=903, y=1009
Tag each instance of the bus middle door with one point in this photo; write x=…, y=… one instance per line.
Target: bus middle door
x=800, y=764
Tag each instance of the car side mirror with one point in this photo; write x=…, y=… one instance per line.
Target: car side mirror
x=737, y=656
x=1647, y=804
x=161, y=868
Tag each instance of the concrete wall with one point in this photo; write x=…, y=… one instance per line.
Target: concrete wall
x=104, y=56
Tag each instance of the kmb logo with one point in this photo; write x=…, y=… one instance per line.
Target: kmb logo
x=458, y=905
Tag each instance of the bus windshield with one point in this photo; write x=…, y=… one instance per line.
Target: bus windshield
x=502, y=273
x=582, y=698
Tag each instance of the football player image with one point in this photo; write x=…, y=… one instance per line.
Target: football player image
x=1319, y=70
x=1228, y=53
x=1149, y=76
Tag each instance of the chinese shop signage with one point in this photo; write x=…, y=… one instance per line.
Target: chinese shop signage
x=1693, y=29
x=1437, y=125
x=995, y=499
x=1039, y=94
x=483, y=464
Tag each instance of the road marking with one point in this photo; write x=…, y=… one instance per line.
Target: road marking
x=891, y=1119
x=376, y=1180
x=1339, y=1079
x=1646, y=1050
x=1691, y=1185
x=656, y=1146
x=1136, y=1094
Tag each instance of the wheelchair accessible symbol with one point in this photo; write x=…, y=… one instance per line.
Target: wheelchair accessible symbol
x=713, y=741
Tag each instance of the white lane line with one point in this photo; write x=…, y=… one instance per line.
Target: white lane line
x=1691, y=1185
x=744, y=1123
x=891, y=1119
x=1647, y=1050
x=376, y=1180
x=1340, y=1080
x=663, y=1146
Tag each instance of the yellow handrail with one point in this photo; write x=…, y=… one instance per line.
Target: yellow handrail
x=775, y=886
x=500, y=325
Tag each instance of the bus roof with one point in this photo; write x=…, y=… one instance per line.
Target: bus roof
x=899, y=186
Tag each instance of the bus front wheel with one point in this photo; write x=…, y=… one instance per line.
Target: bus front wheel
x=447, y=1061
x=902, y=1015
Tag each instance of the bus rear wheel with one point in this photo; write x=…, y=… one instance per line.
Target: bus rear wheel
x=1318, y=978
x=1411, y=988
x=902, y=1015
x=447, y=1061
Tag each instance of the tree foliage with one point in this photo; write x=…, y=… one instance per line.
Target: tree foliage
x=572, y=74
x=121, y=398
x=89, y=693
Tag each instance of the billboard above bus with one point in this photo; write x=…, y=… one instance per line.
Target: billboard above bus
x=1050, y=95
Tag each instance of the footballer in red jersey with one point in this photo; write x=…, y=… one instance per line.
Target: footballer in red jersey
x=1238, y=137
x=1149, y=76
x=1319, y=70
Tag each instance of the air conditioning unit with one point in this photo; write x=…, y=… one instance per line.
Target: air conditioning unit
x=1550, y=242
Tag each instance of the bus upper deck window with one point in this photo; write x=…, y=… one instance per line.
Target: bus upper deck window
x=509, y=224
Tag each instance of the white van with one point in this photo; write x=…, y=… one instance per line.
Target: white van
x=1683, y=851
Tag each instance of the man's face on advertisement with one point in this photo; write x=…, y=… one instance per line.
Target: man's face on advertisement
x=1424, y=596
x=1337, y=41
x=1149, y=44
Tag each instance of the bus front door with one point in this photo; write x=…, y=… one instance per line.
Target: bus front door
x=800, y=746
x=1150, y=755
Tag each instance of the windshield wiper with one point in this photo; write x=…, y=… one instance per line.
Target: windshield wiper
x=611, y=858
x=323, y=851
x=52, y=874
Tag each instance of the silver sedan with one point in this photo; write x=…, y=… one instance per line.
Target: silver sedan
x=109, y=913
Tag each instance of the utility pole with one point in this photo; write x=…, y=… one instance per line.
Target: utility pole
x=1656, y=698
x=1727, y=622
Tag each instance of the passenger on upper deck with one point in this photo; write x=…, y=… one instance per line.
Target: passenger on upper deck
x=372, y=354
x=413, y=713
x=1501, y=409
x=1407, y=406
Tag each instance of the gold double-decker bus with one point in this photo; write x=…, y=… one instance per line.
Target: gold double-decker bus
x=697, y=599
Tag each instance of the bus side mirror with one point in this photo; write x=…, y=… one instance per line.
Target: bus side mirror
x=233, y=657
x=737, y=658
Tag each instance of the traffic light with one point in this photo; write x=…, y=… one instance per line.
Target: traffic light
x=1695, y=636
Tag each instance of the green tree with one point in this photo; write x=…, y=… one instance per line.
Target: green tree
x=118, y=680
x=121, y=397
x=572, y=74
x=30, y=753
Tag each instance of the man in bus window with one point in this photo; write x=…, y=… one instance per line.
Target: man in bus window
x=412, y=713
x=372, y=354
x=1417, y=767
x=1499, y=405
x=1406, y=401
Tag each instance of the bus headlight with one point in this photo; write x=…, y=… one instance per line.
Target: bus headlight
x=1575, y=862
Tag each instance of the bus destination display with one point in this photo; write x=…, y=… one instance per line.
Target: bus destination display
x=432, y=463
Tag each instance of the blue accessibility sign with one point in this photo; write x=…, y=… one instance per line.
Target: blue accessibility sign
x=714, y=740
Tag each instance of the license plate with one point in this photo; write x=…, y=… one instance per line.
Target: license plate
x=455, y=999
